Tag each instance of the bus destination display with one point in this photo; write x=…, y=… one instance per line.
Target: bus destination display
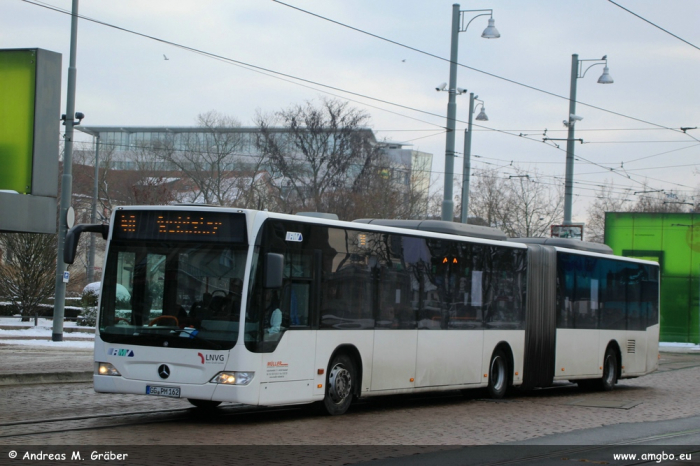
x=180, y=226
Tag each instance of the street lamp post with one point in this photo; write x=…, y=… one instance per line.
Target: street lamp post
x=66, y=181
x=466, y=169
x=458, y=20
x=576, y=73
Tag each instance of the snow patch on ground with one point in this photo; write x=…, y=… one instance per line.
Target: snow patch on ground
x=44, y=329
x=54, y=344
x=40, y=332
x=17, y=321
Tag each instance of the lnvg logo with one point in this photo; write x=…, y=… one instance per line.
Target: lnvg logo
x=124, y=352
x=212, y=358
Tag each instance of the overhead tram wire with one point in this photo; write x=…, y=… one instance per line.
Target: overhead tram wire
x=662, y=153
x=650, y=168
x=376, y=36
x=655, y=25
x=506, y=163
x=583, y=159
x=622, y=192
x=251, y=67
x=618, y=189
x=425, y=137
x=637, y=142
x=584, y=129
x=277, y=74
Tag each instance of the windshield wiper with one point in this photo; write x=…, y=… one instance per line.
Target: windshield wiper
x=193, y=334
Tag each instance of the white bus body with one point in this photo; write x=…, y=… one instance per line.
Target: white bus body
x=366, y=310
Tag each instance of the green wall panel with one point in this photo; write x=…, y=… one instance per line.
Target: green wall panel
x=17, y=84
x=672, y=239
x=674, y=309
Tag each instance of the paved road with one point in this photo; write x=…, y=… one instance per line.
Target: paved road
x=395, y=426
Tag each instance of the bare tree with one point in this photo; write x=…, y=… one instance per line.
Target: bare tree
x=607, y=200
x=519, y=205
x=489, y=198
x=146, y=183
x=318, y=152
x=648, y=200
x=534, y=205
x=110, y=193
x=212, y=159
x=654, y=200
x=27, y=275
x=395, y=187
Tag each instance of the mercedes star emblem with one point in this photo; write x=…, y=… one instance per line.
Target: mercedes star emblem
x=164, y=371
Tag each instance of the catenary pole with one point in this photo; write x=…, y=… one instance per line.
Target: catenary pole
x=66, y=182
x=447, y=201
x=467, y=162
x=569, y=180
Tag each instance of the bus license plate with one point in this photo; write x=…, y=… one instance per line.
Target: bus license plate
x=173, y=392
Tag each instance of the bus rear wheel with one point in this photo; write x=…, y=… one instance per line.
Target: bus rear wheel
x=204, y=404
x=498, y=375
x=339, y=385
x=610, y=368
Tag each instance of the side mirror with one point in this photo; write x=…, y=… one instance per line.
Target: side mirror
x=274, y=270
x=73, y=236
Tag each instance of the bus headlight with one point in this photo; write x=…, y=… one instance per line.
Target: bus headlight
x=105, y=368
x=233, y=378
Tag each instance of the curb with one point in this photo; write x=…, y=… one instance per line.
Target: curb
x=45, y=378
x=680, y=350
x=28, y=337
x=89, y=330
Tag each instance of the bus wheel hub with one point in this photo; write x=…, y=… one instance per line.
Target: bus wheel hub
x=339, y=383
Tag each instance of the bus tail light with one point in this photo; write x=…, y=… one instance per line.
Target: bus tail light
x=105, y=368
x=233, y=378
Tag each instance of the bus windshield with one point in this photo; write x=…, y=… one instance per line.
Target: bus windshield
x=181, y=295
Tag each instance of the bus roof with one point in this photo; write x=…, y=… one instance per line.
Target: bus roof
x=567, y=243
x=439, y=226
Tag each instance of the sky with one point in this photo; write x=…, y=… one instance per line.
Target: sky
x=124, y=78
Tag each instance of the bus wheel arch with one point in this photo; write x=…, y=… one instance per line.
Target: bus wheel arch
x=500, y=370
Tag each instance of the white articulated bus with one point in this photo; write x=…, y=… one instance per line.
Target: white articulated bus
x=271, y=309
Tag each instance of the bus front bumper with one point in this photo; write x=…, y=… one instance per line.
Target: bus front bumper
x=245, y=394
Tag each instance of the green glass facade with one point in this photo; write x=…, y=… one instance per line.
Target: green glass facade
x=673, y=240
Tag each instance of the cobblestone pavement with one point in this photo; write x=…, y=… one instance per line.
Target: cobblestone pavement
x=435, y=420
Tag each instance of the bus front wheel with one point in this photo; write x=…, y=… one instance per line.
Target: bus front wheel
x=498, y=375
x=339, y=385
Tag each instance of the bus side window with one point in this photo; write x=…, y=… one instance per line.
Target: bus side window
x=296, y=304
x=296, y=290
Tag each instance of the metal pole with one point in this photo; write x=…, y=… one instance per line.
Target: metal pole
x=93, y=214
x=66, y=183
x=467, y=162
x=447, y=201
x=569, y=183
